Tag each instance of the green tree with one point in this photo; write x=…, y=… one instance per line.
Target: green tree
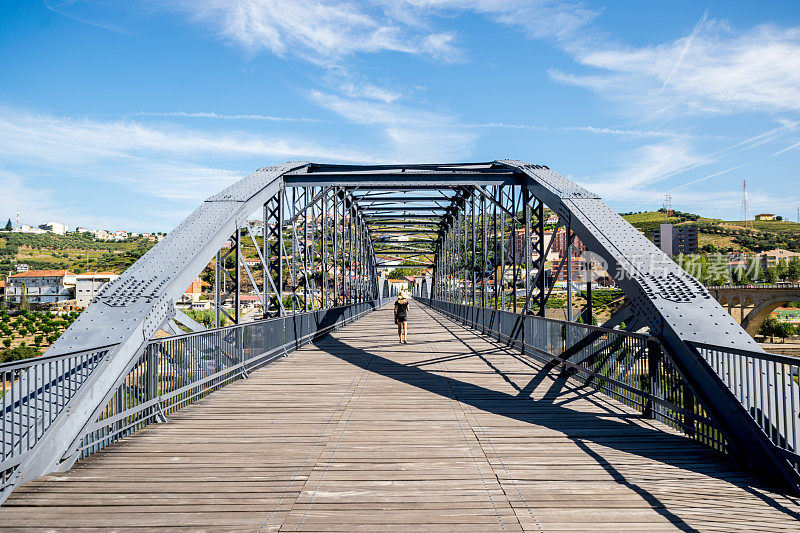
x=400, y=272
x=8, y=227
x=782, y=269
x=770, y=275
x=7, y=343
x=793, y=270
x=768, y=328
x=785, y=330
x=23, y=301
x=19, y=353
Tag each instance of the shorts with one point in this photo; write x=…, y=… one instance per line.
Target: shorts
x=399, y=319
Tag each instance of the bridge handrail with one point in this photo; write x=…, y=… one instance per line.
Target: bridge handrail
x=33, y=394
x=756, y=286
x=768, y=384
x=661, y=392
x=633, y=368
x=46, y=359
x=766, y=356
x=171, y=373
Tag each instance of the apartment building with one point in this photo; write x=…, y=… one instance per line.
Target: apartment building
x=676, y=240
x=40, y=286
x=89, y=284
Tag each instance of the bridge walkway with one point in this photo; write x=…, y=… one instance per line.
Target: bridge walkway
x=450, y=432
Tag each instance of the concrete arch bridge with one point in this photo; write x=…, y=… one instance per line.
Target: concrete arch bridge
x=750, y=305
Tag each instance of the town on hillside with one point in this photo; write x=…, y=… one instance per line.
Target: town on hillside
x=50, y=271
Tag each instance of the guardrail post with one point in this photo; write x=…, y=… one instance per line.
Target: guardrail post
x=688, y=404
x=651, y=378
x=152, y=381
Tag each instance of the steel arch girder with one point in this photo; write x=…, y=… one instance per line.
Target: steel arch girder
x=675, y=305
x=129, y=310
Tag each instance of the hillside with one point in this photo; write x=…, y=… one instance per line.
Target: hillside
x=75, y=252
x=725, y=236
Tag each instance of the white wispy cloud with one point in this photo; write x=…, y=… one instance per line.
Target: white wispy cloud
x=318, y=31
x=326, y=32
x=176, y=165
x=596, y=130
x=414, y=134
x=644, y=166
x=540, y=19
x=713, y=70
x=221, y=116
x=36, y=137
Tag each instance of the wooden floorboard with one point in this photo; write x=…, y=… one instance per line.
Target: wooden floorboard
x=450, y=432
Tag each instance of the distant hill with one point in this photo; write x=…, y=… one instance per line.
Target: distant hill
x=725, y=235
x=77, y=252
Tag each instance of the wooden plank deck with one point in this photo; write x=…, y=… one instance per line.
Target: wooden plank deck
x=449, y=432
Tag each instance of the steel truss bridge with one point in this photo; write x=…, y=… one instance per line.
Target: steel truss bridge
x=322, y=234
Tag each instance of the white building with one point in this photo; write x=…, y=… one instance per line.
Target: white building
x=88, y=285
x=28, y=229
x=54, y=227
x=40, y=286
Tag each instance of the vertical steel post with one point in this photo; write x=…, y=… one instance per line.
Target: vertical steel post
x=495, y=263
x=568, y=249
x=279, y=250
x=651, y=378
x=335, y=246
x=514, y=247
x=238, y=294
x=265, y=265
x=295, y=248
x=542, y=259
x=526, y=200
x=217, y=303
x=463, y=238
x=305, y=249
x=472, y=224
x=484, y=252
x=587, y=311
x=502, y=252
x=324, y=251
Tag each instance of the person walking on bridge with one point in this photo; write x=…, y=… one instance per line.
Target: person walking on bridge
x=401, y=316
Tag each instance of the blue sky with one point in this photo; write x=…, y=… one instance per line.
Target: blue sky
x=128, y=114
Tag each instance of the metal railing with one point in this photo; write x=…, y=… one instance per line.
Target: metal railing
x=34, y=392
x=172, y=372
x=630, y=367
x=757, y=286
x=767, y=387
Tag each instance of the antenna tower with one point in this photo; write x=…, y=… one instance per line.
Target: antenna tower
x=667, y=206
x=745, y=213
x=18, y=226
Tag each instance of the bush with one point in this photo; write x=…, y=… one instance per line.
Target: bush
x=7, y=343
x=19, y=353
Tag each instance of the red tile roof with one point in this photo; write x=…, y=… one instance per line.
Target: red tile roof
x=42, y=274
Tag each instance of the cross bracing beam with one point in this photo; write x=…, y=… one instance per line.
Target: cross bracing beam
x=326, y=228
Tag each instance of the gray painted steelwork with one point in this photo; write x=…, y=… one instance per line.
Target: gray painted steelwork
x=330, y=219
